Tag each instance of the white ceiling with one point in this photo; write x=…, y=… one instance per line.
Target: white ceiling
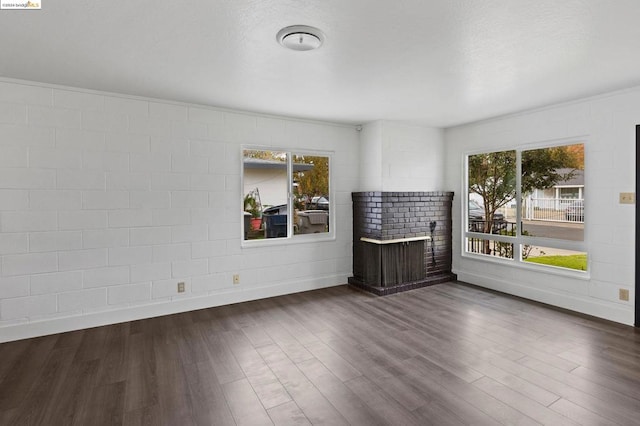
x=433, y=62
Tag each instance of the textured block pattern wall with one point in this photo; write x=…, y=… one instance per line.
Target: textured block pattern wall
x=108, y=201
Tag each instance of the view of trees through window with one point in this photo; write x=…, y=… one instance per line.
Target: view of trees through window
x=526, y=199
x=277, y=182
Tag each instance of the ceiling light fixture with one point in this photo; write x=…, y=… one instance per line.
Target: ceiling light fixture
x=300, y=37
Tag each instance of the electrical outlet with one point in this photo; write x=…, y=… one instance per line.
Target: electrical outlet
x=181, y=287
x=236, y=279
x=623, y=294
x=627, y=197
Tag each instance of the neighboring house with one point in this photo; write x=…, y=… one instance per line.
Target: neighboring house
x=541, y=202
x=270, y=178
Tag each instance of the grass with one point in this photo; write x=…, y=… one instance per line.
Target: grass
x=574, y=261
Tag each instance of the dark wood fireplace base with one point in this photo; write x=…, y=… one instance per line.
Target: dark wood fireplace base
x=398, y=288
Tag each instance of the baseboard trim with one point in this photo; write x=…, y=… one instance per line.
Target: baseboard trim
x=571, y=302
x=133, y=313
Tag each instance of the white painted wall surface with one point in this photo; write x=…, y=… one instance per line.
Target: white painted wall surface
x=396, y=156
x=108, y=201
x=607, y=126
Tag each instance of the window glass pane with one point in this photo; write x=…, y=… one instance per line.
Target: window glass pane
x=490, y=247
x=553, y=192
x=311, y=194
x=492, y=189
x=265, y=194
x=549, y=256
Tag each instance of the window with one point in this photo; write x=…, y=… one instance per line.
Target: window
x=276, y=182
x=527, y=206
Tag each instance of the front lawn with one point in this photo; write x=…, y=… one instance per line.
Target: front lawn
x=575, y=261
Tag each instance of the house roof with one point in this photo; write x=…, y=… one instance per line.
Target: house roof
x=436, y=63
x=577, y=178
x=259, y=163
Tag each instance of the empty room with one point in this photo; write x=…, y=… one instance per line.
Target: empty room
x=319, y=213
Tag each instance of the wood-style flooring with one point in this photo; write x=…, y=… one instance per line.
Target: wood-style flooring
x=450, y=354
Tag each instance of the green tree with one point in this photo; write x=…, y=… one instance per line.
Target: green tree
x=314, y=182
x=493, y=175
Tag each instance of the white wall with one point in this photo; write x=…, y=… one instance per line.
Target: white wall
x=401, y=157
x=607, y=126
x=108, y=201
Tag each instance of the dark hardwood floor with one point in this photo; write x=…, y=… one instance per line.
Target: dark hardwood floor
x=449, y=354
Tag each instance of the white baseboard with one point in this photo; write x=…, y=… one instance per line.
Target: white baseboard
x=583, y=304
x=132, y=313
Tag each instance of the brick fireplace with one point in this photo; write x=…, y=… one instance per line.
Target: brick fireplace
x=401, y=240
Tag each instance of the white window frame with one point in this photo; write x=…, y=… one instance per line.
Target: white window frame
x=519, y=240
x=290, y=238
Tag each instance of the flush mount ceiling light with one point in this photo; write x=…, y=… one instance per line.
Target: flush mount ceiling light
x=300, y=37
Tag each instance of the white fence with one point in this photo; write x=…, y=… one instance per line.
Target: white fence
x=554, y=209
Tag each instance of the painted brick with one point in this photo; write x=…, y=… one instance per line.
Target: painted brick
x=104, y=121
x=25, y=264
x=129, y=293
x=82, y=259
x=27, y=179
x=105, y=161
x=209, y=283
x=124, y=142
x=28, y=221
x=73, y=139
x=13, y=243
x=171, y=252
x=205, y=249
x=189, y=233
x=169, y=145
x=56, y=282
x=204, y=115
x=207, y=182
x=11, y=113
x=78, y=100
x=208, y=149
x=14, y=199
x=14, y=287
x=149, y=126
x=105, y=238
x=189, y=199
x=189, y=130
x=150, y=272
x=149, y=199
x=171, y=217
x=14, y=156
x=54, y=117
x=105, y=200
x=82, y=300
x=25, y=307
x=82, y=219
x=150, y=236
x=189, y=164
x=80, y=179
x=169, y=181
x=104, y=277
x=54, y=200
x=167, y=111
x=127, y=181
x=150, y=162
x=189, y=268
x=55, y=241
x=126, y=106
x=129, y=218
x=169, y=288
x=25, y=94
x=129, y=255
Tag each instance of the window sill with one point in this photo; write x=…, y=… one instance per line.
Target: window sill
x=549, y=270
x=296, y=239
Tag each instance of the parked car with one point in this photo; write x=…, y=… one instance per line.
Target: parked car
x=575, y=211
x=318, y=203
x=477, y=219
